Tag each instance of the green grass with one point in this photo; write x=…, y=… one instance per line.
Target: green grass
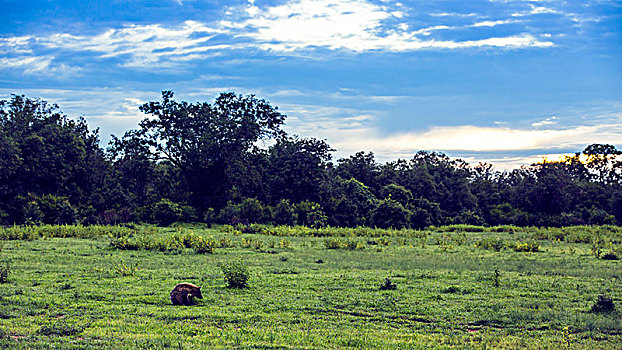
x=67, y=292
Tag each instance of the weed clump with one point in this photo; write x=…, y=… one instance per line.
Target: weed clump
x=604, y=304
x=388, y=285
x=62, y=328
x=527, y=246
x=124, y=269
x=5, y=272
x=490, y=244
x=610, y=256
x=236, y=274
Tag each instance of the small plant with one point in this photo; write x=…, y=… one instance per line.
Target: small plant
x=332, y=243
x=203, y=245
x=566, y=335
x=5, y=272
x=451, y=290
x=490, y=244
x=527, y=246
x=257, y=244
x=351, y=244
x=610, y=256
x=285, y=243
x=236, y=274
x=226, y=242
x=603, y=304
x=388, y=285
x=496, y=279
x=596, y=250
x=123, y=269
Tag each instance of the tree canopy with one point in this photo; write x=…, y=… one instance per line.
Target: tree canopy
x=206, y=162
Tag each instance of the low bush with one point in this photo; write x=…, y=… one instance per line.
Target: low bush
x=236, y=274
x=525, y=246
x=460, y=228
x=388, y=285
x=5, y=272
x=603, y=304
x=495, y=244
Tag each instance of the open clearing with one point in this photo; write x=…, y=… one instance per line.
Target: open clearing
x=454, y=290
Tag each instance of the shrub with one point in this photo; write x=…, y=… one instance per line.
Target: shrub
x=332, y=243
x=311, y=214
x=124, y=243
x=203, y=245
x=5, y=272
x=527, y=246
x=284, y=213
x=389, y=213
x=397, y=193
x=285, y=243
x=57, y=210
x=388, y=285
x=603, y=304
x=123, y=269
x=610, y=256
x=166, y=212
x=251, y=211
x=225, y=242
x=230, y=214
x=495, y=244
x=236, y=274
x=209, y=217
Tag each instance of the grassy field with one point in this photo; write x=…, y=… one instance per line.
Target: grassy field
x=103, y=287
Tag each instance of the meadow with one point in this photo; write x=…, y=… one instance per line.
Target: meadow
x=466, y=287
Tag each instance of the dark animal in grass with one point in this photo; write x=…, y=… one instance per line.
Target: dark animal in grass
x=183, y=294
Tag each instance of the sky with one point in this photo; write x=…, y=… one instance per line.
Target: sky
x=500, y=81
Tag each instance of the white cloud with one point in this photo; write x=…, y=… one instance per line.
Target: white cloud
x=296, y=26
x=354, y=25
x=145, y=44
x=548, y=121
x=492, y=23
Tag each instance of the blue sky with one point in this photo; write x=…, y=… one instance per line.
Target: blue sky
x=502, y=81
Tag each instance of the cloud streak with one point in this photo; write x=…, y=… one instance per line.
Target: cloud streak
x=295, y=27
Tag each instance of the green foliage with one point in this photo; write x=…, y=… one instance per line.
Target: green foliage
x=390, y=214
x=603, y=303
x=311, y=214
x=338, y=243
x=251, y=211
x=388, y=285
x=61, y=328
x=124, y=269
x=5, y=273
x=190, y=161
x=460, y=228
x=166, y=212
x=332, y=243
x=525, y=246
x=236, y=274
x=308, y=287
x=284, y=213
x=397, y=193
x=495, y=244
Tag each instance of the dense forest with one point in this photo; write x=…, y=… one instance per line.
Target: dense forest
x=200, y=162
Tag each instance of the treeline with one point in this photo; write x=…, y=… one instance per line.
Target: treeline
x=202, y=162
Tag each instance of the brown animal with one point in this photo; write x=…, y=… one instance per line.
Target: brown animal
x=183, y=294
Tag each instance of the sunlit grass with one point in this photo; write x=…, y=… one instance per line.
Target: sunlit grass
x=71, y=292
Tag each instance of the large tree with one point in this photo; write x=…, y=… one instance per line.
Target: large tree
x=204, y=141
x=43, y=152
